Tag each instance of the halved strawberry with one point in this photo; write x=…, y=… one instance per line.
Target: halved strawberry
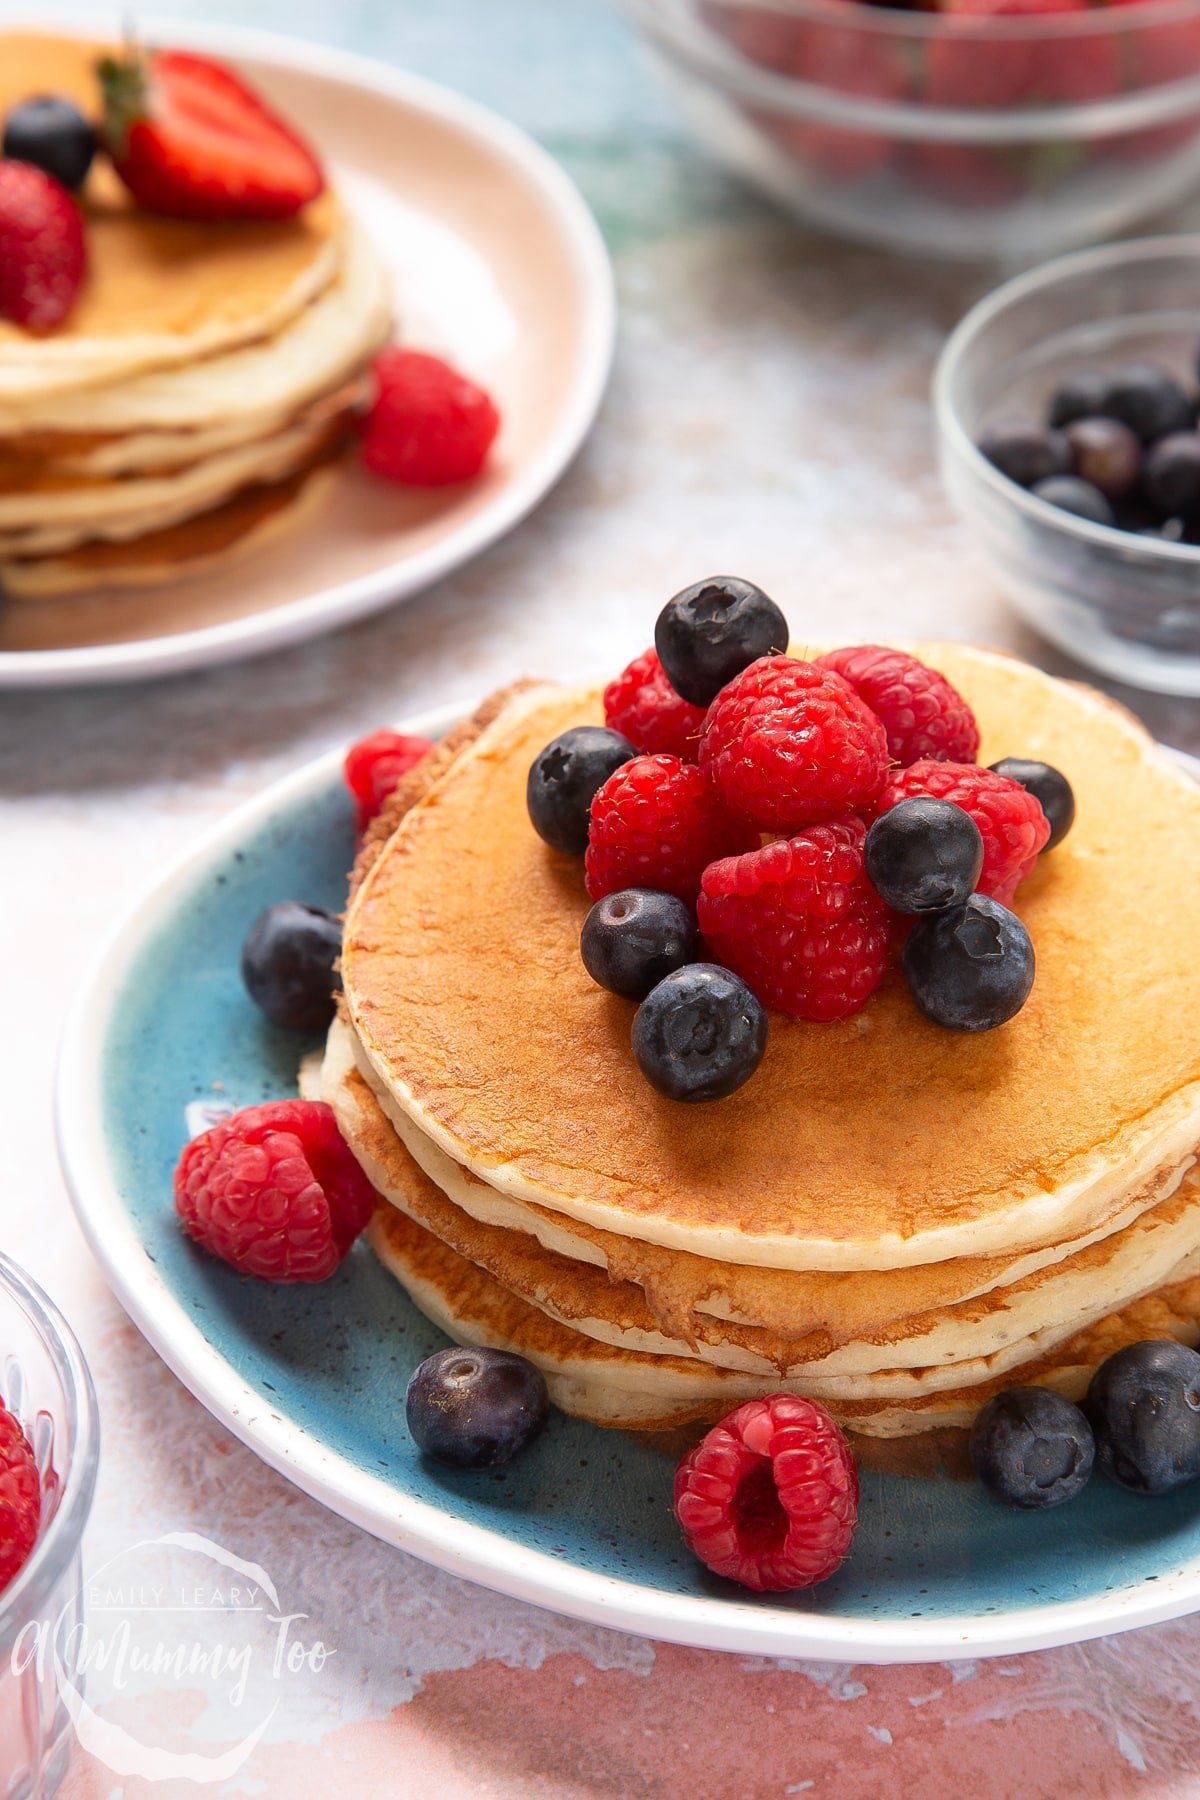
x=190, y=139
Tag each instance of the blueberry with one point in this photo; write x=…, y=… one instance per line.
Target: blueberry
x=1107, y=454
x=1025, y=452
x=1144, y=1407
x=699, y=1034
x=1049, y=787
x=970, y=968
x=924, y=854
x=631, y=939
x=473, y=1408
x=713, y=630
x=1149, y=401
x=53, y=135
x=1083, y=396
x=564, y=779
x=1031, y=1448
x=287, y=964
x=1172, y=474
x=1072, y=495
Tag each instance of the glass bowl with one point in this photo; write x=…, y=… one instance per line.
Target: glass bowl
x=1007, y=138
x=44, y=1381
x=1126, y=605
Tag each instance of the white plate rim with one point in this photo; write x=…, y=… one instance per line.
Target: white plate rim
x=332, y=608
x=414, y=1525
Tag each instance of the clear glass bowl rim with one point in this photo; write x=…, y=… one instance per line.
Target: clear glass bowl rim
x=964, y=339
x=58, y=1543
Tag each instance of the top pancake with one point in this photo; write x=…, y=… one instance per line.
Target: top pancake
x=159, y=291
x=880, y=1142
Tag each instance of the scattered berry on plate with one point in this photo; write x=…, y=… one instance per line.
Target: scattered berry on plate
x=20, y=1499
x=769, y=1497
x=43, y=254
x=1025, y=452
x=699, y=1034
x=474, y=1408
x=1144, y=1407
x=923, y=855
x=923, y=714
x=564, y=778
x=288, y=964
x=711, y=631
x=1149, y=400
x=643, y=706
x=275, y=1191
x=376, y=765
x=427, y=425
x=1107, y=454
x=656, y=823
x=970, y=968
x=787, y=744
x=1171, y=475
x=1010, y=819
x=191, y=140
x=52, y=134
x=1049, y=787
x=1032, y=1448
x=799, y=921
x=1070, y=493
x=633, y=937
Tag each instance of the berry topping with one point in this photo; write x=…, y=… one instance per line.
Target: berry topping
x=924, y=716
x=1144, y=1407
x=1032, y=1448
x=43, y=256
x=1010, y=820
x=1082, y=396
x=1049, y=787
x=1171, y=476
x=923, y=855
x=376, y=765
x=656, y=823
x=643, y=706
x=700, y=1034
x=427, y=426
x=287, y=964
x=275, y=1191
x=1107, y=454
x=800, y=921
x=1149, y=401
x=1070, y=493
x=971, y=968
x=191, y=140
x=769, y=1497
x=563, y=779
x=632, y=938
x=711, y=631
x=788, y=744
x=474, y=1408
x=20, y=1499
x=1025, y=452
x=53, y=135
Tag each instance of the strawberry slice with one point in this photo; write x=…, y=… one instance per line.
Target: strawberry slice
x=191, y=140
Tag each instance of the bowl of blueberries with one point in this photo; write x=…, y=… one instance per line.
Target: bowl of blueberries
x=1067, y=416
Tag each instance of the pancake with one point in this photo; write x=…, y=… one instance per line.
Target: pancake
x=159, y=291
x=903, y=1145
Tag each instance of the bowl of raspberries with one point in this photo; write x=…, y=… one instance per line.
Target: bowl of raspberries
x=982, y=129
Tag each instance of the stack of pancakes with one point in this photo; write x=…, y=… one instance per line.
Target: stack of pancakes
x=206, y=374
x=892, y=1218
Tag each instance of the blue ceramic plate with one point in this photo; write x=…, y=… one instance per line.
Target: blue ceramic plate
x=313, y=1378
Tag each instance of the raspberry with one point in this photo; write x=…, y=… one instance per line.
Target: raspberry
x=375, y=765
x=655, y=823
x=275, y=1191
x=800, y=922
x=643, y=706
x=788, y=744
x=769, y=1497
x=20, y=1499
x=427, y=425
x=1013, y=825
x=43, y=255
x=924, y=717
